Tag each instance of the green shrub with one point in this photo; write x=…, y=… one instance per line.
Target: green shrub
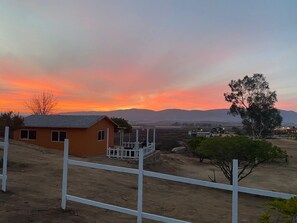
x=249, y=153
x=281, y=211
x=194, y=144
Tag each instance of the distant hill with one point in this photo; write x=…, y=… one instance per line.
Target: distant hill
x=178, y=115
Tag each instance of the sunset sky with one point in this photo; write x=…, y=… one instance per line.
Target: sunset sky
x=153, y=54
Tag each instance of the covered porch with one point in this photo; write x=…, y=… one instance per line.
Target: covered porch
x=130, y=149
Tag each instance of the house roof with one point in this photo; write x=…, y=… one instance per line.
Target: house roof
x=63, y=121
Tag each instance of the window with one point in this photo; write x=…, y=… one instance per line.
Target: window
x=32, y=134
x=24, y=134
x=55, y=136
x=58, y=136
x=62, y=136
x=28, y=134
x=101, y=135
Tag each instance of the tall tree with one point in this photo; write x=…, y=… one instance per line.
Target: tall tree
x=42, y=104
x=252, y=99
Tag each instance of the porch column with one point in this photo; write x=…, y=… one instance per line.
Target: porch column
x=107, y=138
x=137, y=142
x=147, y=137
x=123, y=135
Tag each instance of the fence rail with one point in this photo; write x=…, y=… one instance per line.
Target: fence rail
x=235, y=189
x=4, y=146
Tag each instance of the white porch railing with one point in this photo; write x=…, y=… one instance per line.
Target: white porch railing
x=122, y=153
x=130, y=150
x=4, y=145
x=131, y=144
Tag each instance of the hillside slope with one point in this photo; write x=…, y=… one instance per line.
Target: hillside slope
x=179, y=115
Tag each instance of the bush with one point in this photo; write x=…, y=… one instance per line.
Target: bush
x=281, y=211
x=194, y=144
x=249, y=153
x=12, y=120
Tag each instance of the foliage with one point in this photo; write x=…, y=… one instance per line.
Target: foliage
x=249, y=153
x=123, y=123
x=194, y=144
x=282, y=211
x=12, y=120
x=237, y=131
x=42, y=104
x=252, y=99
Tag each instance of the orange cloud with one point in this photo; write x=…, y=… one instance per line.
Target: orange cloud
x=98, y=89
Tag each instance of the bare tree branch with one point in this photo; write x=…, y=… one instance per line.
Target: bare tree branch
x=42, y=104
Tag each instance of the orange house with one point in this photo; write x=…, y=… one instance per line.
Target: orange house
x=88, y=135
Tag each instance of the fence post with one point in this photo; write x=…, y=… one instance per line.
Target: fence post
x=65, y=174
x=140, y=186
x=235, y=192
x=5, y=156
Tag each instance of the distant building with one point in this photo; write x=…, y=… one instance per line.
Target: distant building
x=199, y=133
x=88, y=135
x=286, y=130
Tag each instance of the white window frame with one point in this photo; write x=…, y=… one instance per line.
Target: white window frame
x=59, y=131
x=28, y=138
x=101, y=135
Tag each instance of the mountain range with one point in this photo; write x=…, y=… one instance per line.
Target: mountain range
x=179, y=115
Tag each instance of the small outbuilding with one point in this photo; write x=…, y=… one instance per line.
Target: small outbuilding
x=88, y=135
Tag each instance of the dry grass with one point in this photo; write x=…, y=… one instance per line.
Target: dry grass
x=35, y=175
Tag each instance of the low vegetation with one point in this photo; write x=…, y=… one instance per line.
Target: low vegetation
x=281, y=211
x=194, y=144
x=249, y=153
x=12, y=120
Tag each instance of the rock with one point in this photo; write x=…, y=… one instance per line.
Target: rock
x=180, y=149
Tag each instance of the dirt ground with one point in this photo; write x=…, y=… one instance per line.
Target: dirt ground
x=35, y=176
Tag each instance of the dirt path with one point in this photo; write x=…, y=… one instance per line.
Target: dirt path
x=35, y=175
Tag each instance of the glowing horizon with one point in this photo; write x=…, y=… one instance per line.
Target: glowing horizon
x=110, y=55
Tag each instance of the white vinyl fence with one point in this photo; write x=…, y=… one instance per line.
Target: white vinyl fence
x=141, y=173
x=4, y=146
